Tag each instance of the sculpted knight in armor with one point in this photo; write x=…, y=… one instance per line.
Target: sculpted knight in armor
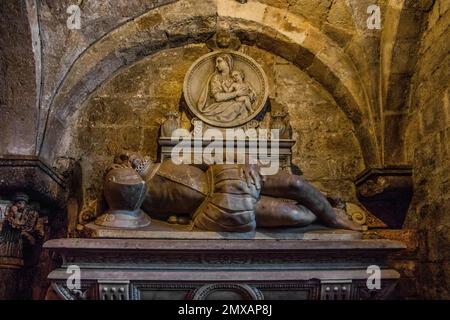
x=233, y=198
x=223, y=89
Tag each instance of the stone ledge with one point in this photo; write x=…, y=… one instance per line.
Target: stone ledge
x=162, y=230
x=388, y=171
x=78, y=244
x=213, y=276
x=29, y=174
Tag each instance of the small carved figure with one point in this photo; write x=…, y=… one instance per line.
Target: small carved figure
x=21, y=221
x=241, y=85
x=223, y=39
x=217, y=101
x=373, y=187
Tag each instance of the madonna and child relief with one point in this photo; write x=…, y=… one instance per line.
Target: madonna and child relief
x=225, y=88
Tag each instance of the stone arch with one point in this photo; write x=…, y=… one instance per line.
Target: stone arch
x=273, y=29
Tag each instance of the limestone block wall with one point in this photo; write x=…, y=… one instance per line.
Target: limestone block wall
x=428, y=146
x=62, y=46
x=18, y=112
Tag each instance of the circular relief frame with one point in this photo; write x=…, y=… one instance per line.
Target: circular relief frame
x=200, y=71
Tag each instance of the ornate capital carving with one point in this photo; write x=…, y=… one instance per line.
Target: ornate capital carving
x=19, y=221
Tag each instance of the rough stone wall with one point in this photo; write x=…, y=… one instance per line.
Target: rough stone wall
x=18, y=113
x=127, y=111
x=62, y=46
x=428, y=146
x=399, y=47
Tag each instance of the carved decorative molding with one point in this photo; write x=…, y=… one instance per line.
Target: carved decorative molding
x=114, y=290
x=243, y=290
x=86, y=291
x=344, y=289
x=314, y=290
x=310, y=289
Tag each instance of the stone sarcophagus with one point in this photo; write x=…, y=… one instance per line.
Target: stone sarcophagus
x=211, y=266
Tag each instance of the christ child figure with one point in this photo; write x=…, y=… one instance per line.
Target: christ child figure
x=246, y=93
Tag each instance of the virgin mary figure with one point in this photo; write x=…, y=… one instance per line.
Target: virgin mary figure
x=218, y=101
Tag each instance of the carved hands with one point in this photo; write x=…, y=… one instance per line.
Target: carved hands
x=252, y=175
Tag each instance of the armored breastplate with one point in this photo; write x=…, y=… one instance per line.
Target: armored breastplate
x=174, y=189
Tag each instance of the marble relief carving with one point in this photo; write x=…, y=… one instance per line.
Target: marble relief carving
x=225, y=88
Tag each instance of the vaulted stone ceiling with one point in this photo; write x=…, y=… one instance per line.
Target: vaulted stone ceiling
x=364, y=70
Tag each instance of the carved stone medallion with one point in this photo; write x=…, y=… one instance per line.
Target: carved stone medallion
x=225, y=88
